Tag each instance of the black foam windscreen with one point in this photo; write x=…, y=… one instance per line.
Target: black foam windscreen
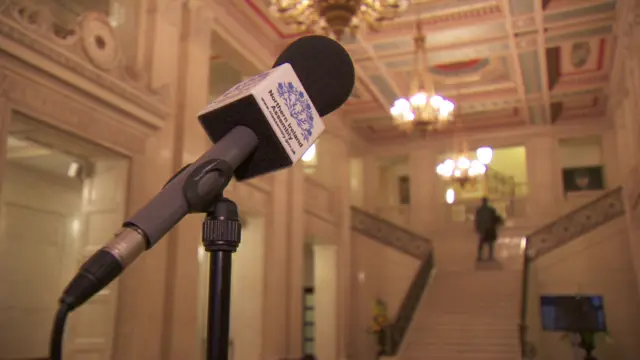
x=324, y=68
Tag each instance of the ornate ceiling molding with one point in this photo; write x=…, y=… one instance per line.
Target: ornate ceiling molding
x=87, y=56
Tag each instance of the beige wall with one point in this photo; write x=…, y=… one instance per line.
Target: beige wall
x=379, y=272
x=598, y=263
x=623, y=109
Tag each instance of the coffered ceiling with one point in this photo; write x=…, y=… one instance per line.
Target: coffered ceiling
x=506, y=63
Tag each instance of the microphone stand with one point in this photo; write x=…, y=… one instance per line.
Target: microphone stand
x=221, y=232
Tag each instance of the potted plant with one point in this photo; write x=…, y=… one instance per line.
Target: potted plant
x=379, y=325
x=586, y=341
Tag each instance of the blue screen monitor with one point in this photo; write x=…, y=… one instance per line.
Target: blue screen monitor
x=573, y=313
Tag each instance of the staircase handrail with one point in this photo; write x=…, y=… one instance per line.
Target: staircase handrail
x=390, y=234
x=411, y=244
x=589, y=216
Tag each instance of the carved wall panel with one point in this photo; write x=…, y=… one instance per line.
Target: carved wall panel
x=89, y=51
x=47, y=100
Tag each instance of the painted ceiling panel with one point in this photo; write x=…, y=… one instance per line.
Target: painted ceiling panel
x=580, y=12
x=493, y=63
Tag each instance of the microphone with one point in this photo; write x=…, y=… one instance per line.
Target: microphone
x=260, y=125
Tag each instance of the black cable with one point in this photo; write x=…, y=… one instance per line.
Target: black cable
x=57, y=333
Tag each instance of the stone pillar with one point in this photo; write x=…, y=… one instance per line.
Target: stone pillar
x=326, y=301
x=545, y=179
x=345, y=269
x=610, y=159
x=371, y=186
x=183, y=339
x=295, y=277
x=141, y=295
x=427, y=209
x=275, y=322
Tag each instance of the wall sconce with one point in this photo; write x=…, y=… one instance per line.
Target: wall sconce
x=450, y=196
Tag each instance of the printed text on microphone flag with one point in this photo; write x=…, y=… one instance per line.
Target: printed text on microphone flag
x=283, y=122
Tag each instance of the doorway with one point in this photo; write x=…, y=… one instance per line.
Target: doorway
x=62, y=198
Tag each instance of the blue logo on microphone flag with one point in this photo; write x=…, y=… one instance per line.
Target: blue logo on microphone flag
x=299, y=107
x=289, y=110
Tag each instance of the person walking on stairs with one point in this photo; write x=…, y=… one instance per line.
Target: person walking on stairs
x=487, y=221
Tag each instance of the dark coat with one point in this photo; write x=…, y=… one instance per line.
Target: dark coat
x=487, y=221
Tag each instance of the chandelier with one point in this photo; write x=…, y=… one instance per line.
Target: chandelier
x=424, y=109
x=334, y=17
x=462, y=169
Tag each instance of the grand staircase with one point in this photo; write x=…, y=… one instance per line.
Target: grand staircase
x=470, y=310
x=464, y=310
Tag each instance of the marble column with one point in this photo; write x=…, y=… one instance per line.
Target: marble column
x=183, y=339
x=342, y=189
x=141, y=295
x=371, y=183
x=295, y=276
x=427, y=207
x=544, y=179
x=326, y=301
x=275, y=322
x=610, y=159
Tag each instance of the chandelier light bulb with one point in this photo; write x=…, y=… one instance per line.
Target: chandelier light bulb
x=477, y=168
x=444, y=170
x=484, y=155
x=457, y=173
x=436, y=101
x=409, y=116
x=447, y=106
x=402, y=105
x=463, y=162
x=419, y=99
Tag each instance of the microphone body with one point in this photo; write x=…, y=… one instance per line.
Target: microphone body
x=191, y=190
x=261, y=125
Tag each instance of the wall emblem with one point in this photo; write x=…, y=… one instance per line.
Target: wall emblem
x=580, y=53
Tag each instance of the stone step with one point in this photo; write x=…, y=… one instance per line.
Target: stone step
x=465, y=341
x=512, y=301
x=482, y=319
x=461, y=348
x=463, y=356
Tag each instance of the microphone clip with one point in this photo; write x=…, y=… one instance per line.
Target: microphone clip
x=206, y=173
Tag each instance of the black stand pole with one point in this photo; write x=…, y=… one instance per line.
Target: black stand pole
x=221, y=231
